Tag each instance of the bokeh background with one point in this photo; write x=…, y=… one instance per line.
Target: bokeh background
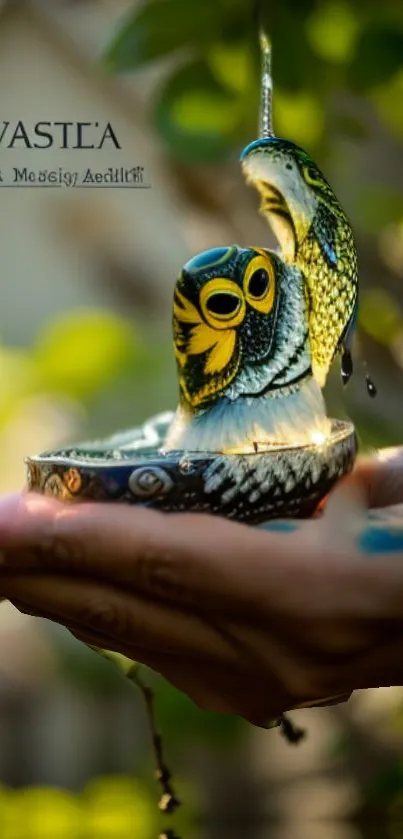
x=85, y=297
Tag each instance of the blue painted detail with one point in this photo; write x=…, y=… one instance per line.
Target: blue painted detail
x=280, y=526
x=376, y=540
x=266, y=141
x=350, y=328
x=330, y=253
x=208, y=258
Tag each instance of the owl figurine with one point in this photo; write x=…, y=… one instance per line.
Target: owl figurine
x=241, y=339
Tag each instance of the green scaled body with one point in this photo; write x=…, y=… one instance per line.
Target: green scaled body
x=315, y=235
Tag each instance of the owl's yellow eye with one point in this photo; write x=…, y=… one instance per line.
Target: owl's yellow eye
x=222, y=303
x=259, y=284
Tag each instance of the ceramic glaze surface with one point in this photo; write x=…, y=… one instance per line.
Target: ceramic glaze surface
x=252, y=488
x=254, y=335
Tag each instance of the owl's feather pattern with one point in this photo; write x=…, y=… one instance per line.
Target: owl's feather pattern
x=243, y=355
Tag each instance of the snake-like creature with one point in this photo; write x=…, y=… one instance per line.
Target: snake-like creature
x=315, y=235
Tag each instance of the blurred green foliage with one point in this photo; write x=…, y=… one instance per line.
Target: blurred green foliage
x=178, y=718
x=79, y=358
x=75, y=356
x=377, y=206
x=381, y=316
x=206, y=107
x=108, y=808
x=99, y=343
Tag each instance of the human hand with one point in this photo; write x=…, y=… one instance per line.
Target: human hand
x=243, y=620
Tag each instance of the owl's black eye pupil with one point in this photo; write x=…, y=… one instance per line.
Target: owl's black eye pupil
x=259, y=283
x=223, y=303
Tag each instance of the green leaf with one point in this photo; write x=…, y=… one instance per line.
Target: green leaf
x=80, y=353
x=378, y=56
x=332, y=30
x=118, y=806
x=197, y=117
x=161, y=27
x=19, y=379
x=299, y=116
x=232, y=64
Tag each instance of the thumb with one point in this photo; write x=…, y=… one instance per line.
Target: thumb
x=380, y=477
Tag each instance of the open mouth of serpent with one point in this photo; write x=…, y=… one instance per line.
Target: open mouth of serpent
x=273, y=202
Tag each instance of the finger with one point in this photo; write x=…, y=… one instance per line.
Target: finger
x=381, y=477
x=189, y=559
x=213, y=688
x=343, y=519
x=221, y=690
x=128, y=619
x=181, y=674
x=107, y=643
x=210, y=687
x=104, y=641
x=98, y=640
x=92, y=638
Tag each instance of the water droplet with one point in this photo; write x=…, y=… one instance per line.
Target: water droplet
x=347, y=366
x=371, y=388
